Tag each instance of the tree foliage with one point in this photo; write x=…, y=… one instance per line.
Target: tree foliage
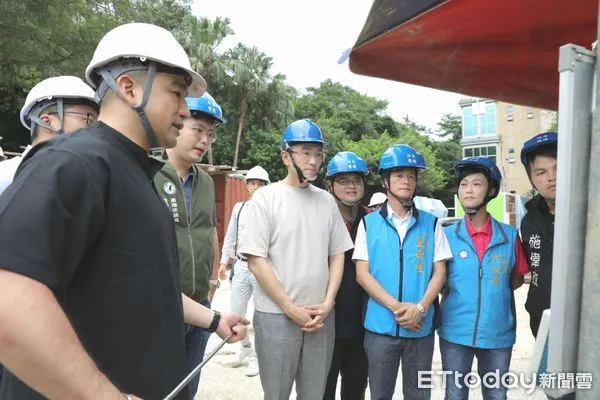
x=40, y=39
x=358, y=115
x=359, y=123
x=450, y=127
x=43, y=39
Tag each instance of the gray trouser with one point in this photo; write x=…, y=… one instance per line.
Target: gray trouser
x=384, y=354
x=242, y=286
x=286, y=354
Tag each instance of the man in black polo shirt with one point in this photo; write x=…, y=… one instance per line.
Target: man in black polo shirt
x=90, y=302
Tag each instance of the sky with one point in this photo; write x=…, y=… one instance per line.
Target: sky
x=306, y=39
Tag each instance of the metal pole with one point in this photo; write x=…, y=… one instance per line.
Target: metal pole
x=576, y=67
x=196, y=370
x=589, y=339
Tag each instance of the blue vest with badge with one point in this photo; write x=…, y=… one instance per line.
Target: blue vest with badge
x=478, y=307
x=402, y=269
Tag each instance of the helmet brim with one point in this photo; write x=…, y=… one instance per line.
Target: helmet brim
x=196, y=88
x=25, y=110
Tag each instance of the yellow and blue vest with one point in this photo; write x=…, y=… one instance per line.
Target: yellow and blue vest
x=402, y=269
x=478, y=306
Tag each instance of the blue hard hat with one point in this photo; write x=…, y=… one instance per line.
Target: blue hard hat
x=301, y=131
x=543, y=139
x=346, y=162
x=401, y=156
x=484, y=163
x=206, y=105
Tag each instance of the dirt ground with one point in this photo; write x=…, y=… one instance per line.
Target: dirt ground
x=219, y=381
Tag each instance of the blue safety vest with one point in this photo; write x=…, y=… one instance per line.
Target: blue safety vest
x=402, y=269
x=478, y=307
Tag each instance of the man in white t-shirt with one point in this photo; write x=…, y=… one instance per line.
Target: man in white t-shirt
x=295, y=240
x=242, y=282
x=57, y=105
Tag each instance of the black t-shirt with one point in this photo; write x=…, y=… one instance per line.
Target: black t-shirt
x=350, y=299
x=83, y=218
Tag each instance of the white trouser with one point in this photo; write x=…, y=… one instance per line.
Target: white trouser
x=242, y=287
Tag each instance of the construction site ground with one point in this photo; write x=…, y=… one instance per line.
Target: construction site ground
x=220, y=381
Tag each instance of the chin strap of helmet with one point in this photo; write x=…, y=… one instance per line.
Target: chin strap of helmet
x=301, y=177
x=108, y=75
x=473, y=210
x=36, y=120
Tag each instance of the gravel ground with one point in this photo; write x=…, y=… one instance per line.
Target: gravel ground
x=220, y=381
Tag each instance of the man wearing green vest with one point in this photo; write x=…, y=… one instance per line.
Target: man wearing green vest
x=189, y=194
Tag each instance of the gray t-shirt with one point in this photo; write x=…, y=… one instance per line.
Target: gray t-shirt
x=296, y=230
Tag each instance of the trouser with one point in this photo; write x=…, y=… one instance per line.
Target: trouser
x=287, y=354
x=384, y=354
x=242, y=287
x=492, y=364
x=195, y=346
x=534, y=322
x=349, y=361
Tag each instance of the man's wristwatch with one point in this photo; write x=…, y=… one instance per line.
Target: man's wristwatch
x=214, y=283
x=215, y=321
x=421, y=310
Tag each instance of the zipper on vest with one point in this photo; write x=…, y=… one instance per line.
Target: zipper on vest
x=478, y=302
x=400, y=283
x=189, y=223
x=490, y=246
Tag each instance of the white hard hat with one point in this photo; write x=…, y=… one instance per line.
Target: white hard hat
x=144, y=42
x=259, y=173
x=377, y=198
x=58, y=87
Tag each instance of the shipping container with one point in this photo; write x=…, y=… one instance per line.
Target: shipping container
x=230, y=188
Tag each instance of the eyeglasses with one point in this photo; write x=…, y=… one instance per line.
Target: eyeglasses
x=88, y=117
x=307, y=155
x=348, y=182
x=211, y=135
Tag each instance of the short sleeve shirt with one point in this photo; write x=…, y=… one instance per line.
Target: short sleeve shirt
x=442, y=249
x=481, y=240
x=83, y=218
x=8, y=169
x=296, y=230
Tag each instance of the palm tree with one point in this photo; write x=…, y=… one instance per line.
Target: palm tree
x=201, y=38
x=249, y=71
x=275, y=107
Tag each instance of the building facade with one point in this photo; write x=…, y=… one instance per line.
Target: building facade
x=497, y=130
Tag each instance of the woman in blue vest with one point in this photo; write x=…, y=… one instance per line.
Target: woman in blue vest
x=478, y=309
x=400, y=255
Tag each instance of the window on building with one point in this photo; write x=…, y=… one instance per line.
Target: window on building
x=479, y=119
x=511, y=155
x=482, y=151
x=509, y=113
x=530, y=113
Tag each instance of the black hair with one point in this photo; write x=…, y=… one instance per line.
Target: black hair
x=470, y=170
x=548, y=150
x=204, y=116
